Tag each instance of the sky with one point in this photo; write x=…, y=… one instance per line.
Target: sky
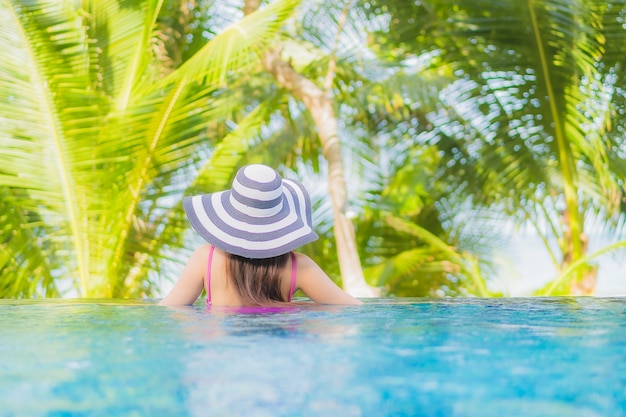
x=525, y=266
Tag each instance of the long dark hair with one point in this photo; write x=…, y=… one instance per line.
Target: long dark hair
x=257, y=281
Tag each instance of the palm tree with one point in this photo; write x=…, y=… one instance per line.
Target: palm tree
x=104, y=119
x=317, y=98
x=332, y=77
x=533, y=121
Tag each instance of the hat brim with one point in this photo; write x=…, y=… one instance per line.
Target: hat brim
x=222, y=225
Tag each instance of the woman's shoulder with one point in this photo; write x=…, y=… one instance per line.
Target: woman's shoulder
x=202, y=251
x=201, y=254
x=305, y=265
x=304, y=261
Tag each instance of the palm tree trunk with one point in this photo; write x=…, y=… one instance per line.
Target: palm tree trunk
x=322, y=111
x=584, y=281
x=321, y=107
x=574, y=220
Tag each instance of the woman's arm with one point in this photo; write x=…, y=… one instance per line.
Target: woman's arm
x=191, y=281
x=314, y=282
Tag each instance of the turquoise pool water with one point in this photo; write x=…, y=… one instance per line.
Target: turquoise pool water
x=409, y=357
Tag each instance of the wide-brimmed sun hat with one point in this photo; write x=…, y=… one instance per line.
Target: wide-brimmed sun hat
x=261, y=216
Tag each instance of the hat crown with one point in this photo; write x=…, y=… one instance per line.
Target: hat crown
x=261, y=216
x=257, y=191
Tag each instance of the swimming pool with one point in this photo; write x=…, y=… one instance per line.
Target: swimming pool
x=407, y=357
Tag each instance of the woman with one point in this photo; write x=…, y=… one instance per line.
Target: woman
x=252, y=231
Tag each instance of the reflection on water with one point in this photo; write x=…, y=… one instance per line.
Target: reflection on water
x=456, y=357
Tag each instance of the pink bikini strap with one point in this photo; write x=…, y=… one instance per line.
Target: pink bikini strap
x=293, y=275
x=208, y=276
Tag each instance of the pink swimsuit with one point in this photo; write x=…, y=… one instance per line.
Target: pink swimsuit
x=208, y=276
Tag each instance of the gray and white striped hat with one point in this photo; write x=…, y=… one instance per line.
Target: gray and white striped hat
x=261, y=216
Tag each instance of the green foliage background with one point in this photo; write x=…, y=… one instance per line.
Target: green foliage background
x=454, y=118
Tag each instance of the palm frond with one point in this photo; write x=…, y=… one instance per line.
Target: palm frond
x=234, y=50
x=157, y=219
x=44, y=71
x=122, y=34
x=25, y=268
x=227, y=156
x=464, y=264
